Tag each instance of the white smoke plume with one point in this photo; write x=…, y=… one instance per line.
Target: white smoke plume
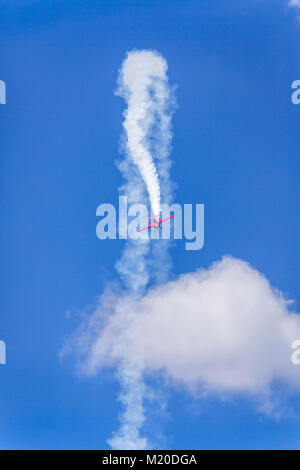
x=143, y=84
x=128, y=437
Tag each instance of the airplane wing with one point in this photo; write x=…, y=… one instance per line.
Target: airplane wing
x=167, y=218
x=152, y=225
x=145, y=228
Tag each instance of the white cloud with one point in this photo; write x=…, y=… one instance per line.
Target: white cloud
x=220, y=330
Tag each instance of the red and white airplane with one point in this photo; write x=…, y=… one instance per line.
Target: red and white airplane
x=156, y=222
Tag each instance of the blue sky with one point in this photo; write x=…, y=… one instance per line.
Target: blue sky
x=235, y=149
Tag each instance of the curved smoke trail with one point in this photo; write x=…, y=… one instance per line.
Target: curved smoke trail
x=143, y=84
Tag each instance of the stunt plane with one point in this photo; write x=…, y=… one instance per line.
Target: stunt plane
x=156, y=222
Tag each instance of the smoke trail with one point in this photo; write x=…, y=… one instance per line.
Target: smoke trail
x=132, y=396
x=143, y=84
